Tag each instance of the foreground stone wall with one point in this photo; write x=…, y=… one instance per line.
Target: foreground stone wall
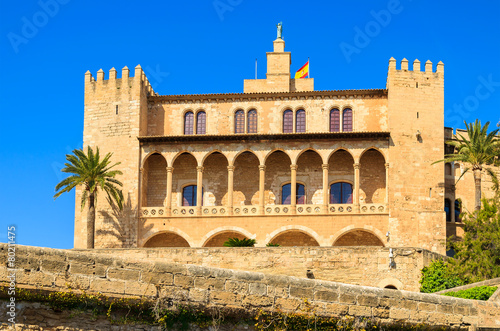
x=367, y=266
x=59, y=270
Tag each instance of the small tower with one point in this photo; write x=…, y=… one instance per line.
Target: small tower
x=278, y=78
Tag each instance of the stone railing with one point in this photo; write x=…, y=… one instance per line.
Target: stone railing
x=254, y=210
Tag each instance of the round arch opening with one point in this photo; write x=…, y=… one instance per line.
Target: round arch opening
x=294, y=238
x=220, y=238
x=166, y=239
x=358, y=238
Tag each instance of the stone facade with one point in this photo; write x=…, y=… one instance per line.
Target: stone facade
x=381, y=150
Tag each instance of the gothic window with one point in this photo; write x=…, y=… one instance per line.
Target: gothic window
x=286, y=194
x=347, y=120
x=188, y=122
x=239, y=122
x=447, y=209
x=288, y=121
x=189, y=195
x=252, y=121
x=334, y=120
x=341, y=192
x=301, y=121
x=201, y=122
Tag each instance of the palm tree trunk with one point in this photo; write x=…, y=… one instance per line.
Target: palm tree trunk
x=90, y=222
x=477, y=182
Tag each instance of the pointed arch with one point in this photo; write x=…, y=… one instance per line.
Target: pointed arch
x=225, y=230
x=369, y=235
x=300, y=228
x=155, y=231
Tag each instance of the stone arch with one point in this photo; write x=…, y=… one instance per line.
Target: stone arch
x=340, y=168
x=358, y=237
x=231, y=161
x=246, y=179
x=212, y=152
x=154, y=181
x=340, y=149
x=176, y=156
x=372, y=176
x=390, y=281
x=310, y=172
x=215, y=179
x=184, y=174
x=145, y=157
x=277, y=172
x=154, y=231
x=382, y=152
x=218, y=236
x=166, y=239
x=274, y=151
x=305, y=232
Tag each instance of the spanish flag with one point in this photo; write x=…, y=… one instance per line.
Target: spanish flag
x=303, y=72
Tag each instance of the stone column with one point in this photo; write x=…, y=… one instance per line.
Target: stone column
x=262, y=182
x=325, y=188
x=293, y=188
x=142, y=188
x=387, y=184
x=199, y=189
x=169, y=190
x=356, y=187
x=230, y=173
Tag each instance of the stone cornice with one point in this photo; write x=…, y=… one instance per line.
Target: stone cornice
x=362, y=135
x=265, y=96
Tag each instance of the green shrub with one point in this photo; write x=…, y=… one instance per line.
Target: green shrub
x=437, y=277
x=272, y=245
x=235, y=242
x=475, y=293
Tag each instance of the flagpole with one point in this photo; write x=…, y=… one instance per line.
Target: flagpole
x=255, y=68
x=308, y=71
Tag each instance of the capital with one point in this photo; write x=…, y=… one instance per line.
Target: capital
x=141, y=170
x=199, y=168
x=262, y=167
x=169, y=169
x=230, y=168
x=293, y=167
x=356, y=166
x=386, y=165
x=325, y=166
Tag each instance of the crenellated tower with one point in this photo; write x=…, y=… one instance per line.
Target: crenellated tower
x=115, y=115
x=416, y=121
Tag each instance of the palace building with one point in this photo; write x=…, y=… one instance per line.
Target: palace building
x=281, y=162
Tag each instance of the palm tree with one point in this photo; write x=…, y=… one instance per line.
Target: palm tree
x=92, y=174
x=479, y=149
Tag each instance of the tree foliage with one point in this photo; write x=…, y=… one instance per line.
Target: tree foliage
x=477, y=256
x=438, y=276
x=235, y=242
x=475, y=293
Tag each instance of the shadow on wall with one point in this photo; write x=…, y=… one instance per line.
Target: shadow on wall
x=123, y=232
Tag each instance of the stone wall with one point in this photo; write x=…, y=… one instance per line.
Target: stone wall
x=60, y=270
x=367, y=266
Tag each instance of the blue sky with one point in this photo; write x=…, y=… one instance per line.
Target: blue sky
x=208, y=47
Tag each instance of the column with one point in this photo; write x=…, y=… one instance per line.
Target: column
x=262, y=177
x=142, y=190
x=387, y=183
x=293, y=184
x=325, y=188
x=230, y=173
x=169, y=190
x=356, y=187
x=199, y=189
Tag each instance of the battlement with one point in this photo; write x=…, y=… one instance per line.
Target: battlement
x=113, y=78
x=416, y=66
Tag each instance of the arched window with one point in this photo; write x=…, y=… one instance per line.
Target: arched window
x=300, y=121
x=252, y=121
x=239, y=121
x=334, y=120
x=286, y=194
x=188, y=122
x=201, y=122
x=347, y=120
x=447, y=209
x=458, y=210
x=288, y=121
x=189, y=195
x=447, y=169
x=341, y=192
